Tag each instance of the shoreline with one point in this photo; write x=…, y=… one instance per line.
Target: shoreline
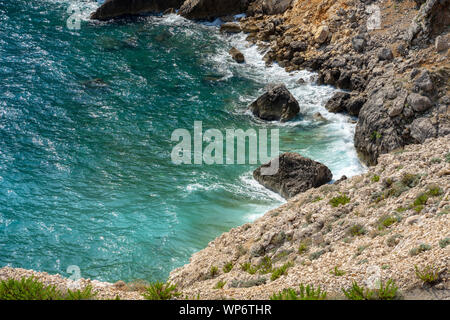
x=379, y=145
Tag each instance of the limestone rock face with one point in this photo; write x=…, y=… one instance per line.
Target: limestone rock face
x=276, y=104
x=269, y=7
x=296, y=174
x=116, y=8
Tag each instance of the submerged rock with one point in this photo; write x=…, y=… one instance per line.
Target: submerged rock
x=237, y=55
x=296, y=174
x=276, y=104
x=116, y=8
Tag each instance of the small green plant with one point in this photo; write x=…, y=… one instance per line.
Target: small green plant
x=386, y=221
x=85, y=294
x=418, y=250
x=214, y=271
x=357, y=230
x=303, y=247
x=278, y=272
x=305, y=293
x=336, y=272
x=447, y=157
x=339, y=200
x=161, y=291
x=410, y=180
x=375, y=178
x=265, y=266
x=436, y=160
x=434, y=191
x=375, y=136
x=247, y=267
x=228, y=267
x=317, y=199
x=429, y=274
x=444, y=242
x=394, y=240
x=220, y=284
x=316, y=255
x=388, y=291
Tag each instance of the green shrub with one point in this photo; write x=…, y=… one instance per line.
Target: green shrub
x=410, y=180
x=305, y=293
x=228, y=267
x=316, y=255
x=447, y=157
x=304, y=247
x=336, y=272
x=248, y=283
x=375, y=178
x=85, y=294
x=27, y=289
x=214, y=271
x=388, y=291
x=278, y=272
x=435, y=191
x=386, y=221
x=340, y=200
x=220, y=284
x=436, y=160
x=265, y=266
x=444, y=242
x=422, y=248
x=32, y=289
x=357, y=230
x=429, y=274
x=161, y=291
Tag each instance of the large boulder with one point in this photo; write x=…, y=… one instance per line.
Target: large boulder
x=276, y=104
x=116, y=8
x=210, y=9
x=269, y=7
x=296, y=174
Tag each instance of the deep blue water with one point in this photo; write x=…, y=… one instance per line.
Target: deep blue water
x=86, y=176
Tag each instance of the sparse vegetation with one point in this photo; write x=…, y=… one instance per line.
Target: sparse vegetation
x=386, y=221
x=161, y=291
x=422, y=248
x=336, y=272
x=213, y=271
x=305, y=293
x=227, y=267
x=32, y=289
x=303, y=247
x=388, y=291
x=339, y=200
x=444, y=242
x=278, y=272
x=375, y=178
x=316, y=255
x=249, y=283
x=357, y=230
x=429, y=274
x=220, y=284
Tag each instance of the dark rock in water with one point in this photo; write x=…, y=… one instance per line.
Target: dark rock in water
x=296, y=174
x=301, y=81
x=237, y=55
x=95, y=83
x=345, y=102
x=210, y=9
x=116, y=8
x=230, y=27
x=276, y=104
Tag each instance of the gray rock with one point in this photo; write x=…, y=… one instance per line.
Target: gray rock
x=441, y=44
x=418, y=102
x=276, y=104
x=298, y=46
x=358, y=44
x=385, y=54
x=422, y=129
x=296, y=174
x=230, y=27
x=424, y=82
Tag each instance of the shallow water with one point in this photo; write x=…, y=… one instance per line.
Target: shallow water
x=86, y=119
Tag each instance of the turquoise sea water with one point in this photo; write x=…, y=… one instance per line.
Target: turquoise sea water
x=86, y=177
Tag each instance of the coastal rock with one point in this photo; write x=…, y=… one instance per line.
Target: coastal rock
x=237, y=55
x=321, y=34
x=418, y=102
x=117, y=8
x=345, y=102
x=422, y=129
x=230, y=27
x=268, y=7
x=276, y=104
x=296, y=174
x=385, y=54
x=441, y=44
x=210, y=9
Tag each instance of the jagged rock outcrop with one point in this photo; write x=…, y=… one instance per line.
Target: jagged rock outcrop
x=269, y=7
x=210, y=9
x=276, y=104
x=237, y=55
x=296, y=174
x=116, y=8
